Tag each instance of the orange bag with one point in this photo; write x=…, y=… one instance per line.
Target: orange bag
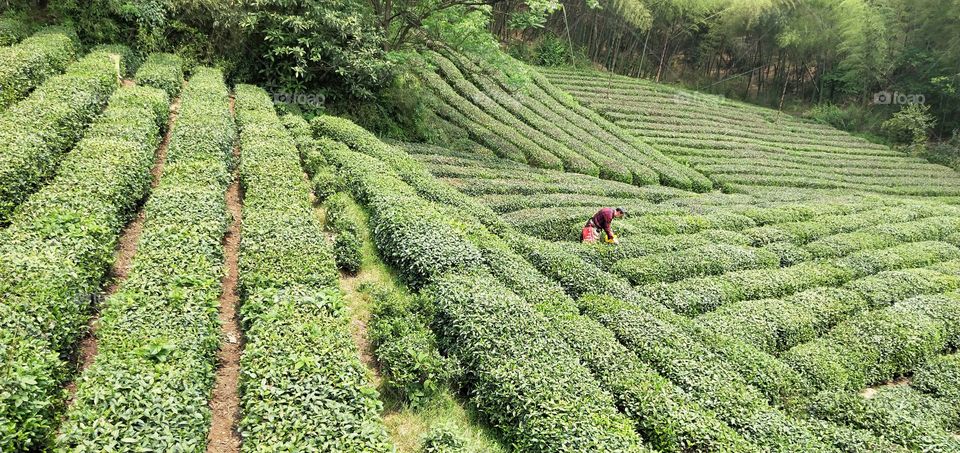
x=589, y=235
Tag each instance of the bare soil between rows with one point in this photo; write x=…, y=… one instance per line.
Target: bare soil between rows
x=225, y=401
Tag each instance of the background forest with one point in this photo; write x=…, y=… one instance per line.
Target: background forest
x=832, y=61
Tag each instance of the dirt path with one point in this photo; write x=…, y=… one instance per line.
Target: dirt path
x=359, y=306
x=126, y=249
x=225, y=403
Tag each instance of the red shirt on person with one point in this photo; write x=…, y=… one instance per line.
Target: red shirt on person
x=603, y=219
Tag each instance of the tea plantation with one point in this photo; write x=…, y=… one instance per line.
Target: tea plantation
x=778, y=285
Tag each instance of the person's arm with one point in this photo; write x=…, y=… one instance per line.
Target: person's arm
x=609, y=230
x=608, y=225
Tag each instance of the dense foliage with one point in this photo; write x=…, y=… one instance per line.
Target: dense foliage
x=56, y=252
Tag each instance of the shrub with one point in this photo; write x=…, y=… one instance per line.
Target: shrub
x=913, y=254
x=532, y=153
x=300, y=362
x=915, y=431
x=788, y=253
x=441, y=439
x=876, y=346
x=164, y=71
x=405, y=347
x=702, y=294
x=407, y=168
x=56, y=251
x=28, y=64
x=668, y=417
x=571, y=160
x=520, y=370
x=159, y=333
x=701, y=372
x=54, y=116
x=347, y=253
x=13, y=29
x=324, y=184
x=940, y=376
x=693, y=262
x=829, y=114
x=409, y=232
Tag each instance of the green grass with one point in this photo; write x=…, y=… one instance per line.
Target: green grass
x=406, y=425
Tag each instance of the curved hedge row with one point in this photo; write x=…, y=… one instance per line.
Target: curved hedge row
x=807, y=231
x=895, y=413
x=36, y=132
x=694, y=296
x=502, y=396
x=926, y=229
x=299, y=361
x=876, y=346
x=55, y=254
x=695, y=262
x=158, y=334
x=665, y=415
x=698, y=295
x=525, y=379
x=612, y=164
x=703, y=373
x=776, y=325
x=28, y=64
x=531, y=152
x=671, y=173
x=407, y=168
x=572, y=161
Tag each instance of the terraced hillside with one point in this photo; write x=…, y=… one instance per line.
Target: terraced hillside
x=743, y=147
x=182, y=269
x=541, y=126
x=816, y=316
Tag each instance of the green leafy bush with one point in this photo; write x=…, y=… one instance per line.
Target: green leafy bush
x=519, y=369
x=35, y=133
x=408, y=169
x=701, y=372
x=887, y=417
x=702, y=294
x=300, y=362
x=406, y=348
x=442, y=439
x=876, y=346
x=347, y=253
x=693, y=262
x=13, y=29
x=314, y=43
x=324, y=184
x=28, y=64
x=164, y=71
x=159, y=333
x=940, y=376
x=55, y=254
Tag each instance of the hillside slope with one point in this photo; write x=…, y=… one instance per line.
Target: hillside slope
x=533, y=122
x=743, y=147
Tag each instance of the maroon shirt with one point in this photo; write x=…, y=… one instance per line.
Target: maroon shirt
x=603, y=219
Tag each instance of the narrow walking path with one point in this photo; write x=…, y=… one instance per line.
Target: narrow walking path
x=225, y=403
x=126, y=249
